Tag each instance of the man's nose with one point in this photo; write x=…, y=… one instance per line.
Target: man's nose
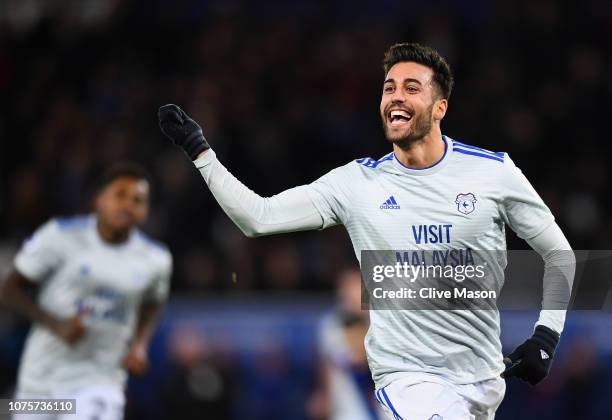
x=398, y=96
x=127, y=205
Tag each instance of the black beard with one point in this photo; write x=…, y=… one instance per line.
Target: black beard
x=421, y=126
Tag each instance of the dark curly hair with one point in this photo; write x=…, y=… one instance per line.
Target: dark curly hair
x=123, y=169
x=442, y=75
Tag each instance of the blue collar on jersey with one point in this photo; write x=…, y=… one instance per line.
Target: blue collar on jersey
x=446, y=150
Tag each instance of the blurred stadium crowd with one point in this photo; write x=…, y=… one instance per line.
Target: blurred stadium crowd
x=285, y=91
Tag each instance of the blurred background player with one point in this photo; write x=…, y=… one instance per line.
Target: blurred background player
x=102, y=284
x=345, y=388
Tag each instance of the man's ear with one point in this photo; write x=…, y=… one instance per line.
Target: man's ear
x=440, y=108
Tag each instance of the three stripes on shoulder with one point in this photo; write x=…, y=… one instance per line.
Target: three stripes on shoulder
x=458, y=147
x=371, y=163
x=466, y=149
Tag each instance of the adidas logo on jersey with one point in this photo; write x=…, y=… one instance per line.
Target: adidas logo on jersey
x=390, y=204
x=544, y=355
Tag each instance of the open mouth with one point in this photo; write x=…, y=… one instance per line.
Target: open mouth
x=398, y=117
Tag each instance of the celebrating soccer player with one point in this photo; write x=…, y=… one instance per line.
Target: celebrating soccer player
x=430, y=192
x=102, y=284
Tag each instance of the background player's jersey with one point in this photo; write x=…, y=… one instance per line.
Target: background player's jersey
x=80, y=273
x=385, y=205
x=351, y=399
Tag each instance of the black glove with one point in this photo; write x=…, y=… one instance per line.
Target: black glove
x=182, y=130
x=531, y=360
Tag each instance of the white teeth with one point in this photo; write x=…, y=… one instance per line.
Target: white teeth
x=399, y=114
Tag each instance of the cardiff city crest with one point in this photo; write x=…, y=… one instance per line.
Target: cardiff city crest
x=466, y=203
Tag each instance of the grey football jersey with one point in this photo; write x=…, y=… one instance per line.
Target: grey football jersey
x=80, y=273
x=468, y=197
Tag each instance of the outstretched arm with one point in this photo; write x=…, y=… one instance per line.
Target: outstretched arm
x=292, y=210
x=289, y=211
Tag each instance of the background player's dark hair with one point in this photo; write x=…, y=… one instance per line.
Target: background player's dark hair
x=442, y=75
x=123, y=169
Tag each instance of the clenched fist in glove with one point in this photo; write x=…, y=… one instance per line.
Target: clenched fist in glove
x=531, y=360
x=182, y=130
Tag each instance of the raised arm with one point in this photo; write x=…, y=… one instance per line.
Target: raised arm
x=289, y=211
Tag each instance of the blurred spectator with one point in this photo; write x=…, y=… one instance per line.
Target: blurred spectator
x=585, y=382
x=200, y=380
x=345, y=388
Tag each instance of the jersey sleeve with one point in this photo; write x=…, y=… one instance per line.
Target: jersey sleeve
x=521, y=206
x=289, y=211
x=558, y=280
x=330, y=195
x=159, y=289
x=40, y=255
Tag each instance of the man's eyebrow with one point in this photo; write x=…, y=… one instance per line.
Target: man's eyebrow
x=407, y=80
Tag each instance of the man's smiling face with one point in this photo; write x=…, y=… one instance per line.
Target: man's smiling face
x=407, y=103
